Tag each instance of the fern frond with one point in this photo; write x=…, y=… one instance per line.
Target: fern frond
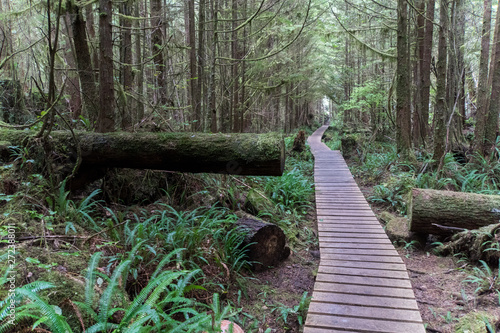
x=106, y=297
x=55, y=322
x=90, y=278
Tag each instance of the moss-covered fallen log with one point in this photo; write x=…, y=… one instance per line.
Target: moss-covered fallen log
x=446, y=212
x=242, y=154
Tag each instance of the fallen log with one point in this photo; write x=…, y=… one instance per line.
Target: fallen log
x=241, y=154
x=266, y=242
x=445, y=212
x=481, y=244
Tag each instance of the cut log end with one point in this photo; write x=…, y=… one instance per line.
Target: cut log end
x=267, y=243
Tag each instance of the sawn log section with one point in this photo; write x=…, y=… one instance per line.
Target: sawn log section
x=362, y=284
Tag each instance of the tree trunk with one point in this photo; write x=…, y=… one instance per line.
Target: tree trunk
x=483, y=89
x=440, y=112
x=266, y=242
x=212, y=87
x=194, y=95
x=106, y=118
x=241, y=154
x=84, y=66
x=425, y=70
x=403, y=111
x=494, y=105
x=429, y=208
x=157, y=46
x=126, y=65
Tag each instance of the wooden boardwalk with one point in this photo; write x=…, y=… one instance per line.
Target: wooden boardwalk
x=362, y=284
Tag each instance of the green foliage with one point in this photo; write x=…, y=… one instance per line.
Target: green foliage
x=147, y=312
x=299, y=310
x=485, y=278
x=292, y=190
x=30, y=306
x=368, y=97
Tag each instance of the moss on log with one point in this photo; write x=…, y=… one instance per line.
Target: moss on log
x=480, y=244
x=445, y=212
x=242, y=154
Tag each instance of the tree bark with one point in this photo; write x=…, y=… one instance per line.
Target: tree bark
x=241, y=154
x=440, y=112
x=157, y=41
x=266, y=242
x=84, y=65
x=425, y=70
x=428, y=208
x=106, y=118
x=483, y=89
x=403, y=111
x=126, y=77
x=494, y=105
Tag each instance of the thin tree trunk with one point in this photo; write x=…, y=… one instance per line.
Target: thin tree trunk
x=106, y=118
x=483, y=88
x=126, y=63
x=494, y=107
x=441, y=108
x=212, y=86
x=403, y=111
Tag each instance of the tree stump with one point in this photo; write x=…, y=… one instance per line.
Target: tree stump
x=299, y=143
x=446, y=212
x=267, y=242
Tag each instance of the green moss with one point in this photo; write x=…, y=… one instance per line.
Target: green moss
x=475, y=322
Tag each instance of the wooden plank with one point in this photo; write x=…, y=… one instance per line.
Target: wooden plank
x=334, y=240
x=380, y=301
x=362, y=324
x=329, y=242
x=346, y=219
x=404, y=315
x=336, y=212
x=356, y=245
x=338, y=235
x=360, y=264
x=354, y=229
x=371, y=252
x=340, y=227
x=363, y=272
x=357, y=289
x=387, y=259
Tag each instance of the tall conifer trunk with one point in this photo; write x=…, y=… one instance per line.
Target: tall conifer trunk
x=403, y=111
x=106, y=119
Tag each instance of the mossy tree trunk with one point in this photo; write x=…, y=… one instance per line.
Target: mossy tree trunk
x=242, y=154
x=442, y=212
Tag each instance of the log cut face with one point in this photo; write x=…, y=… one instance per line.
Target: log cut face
x=242, y=154
x=267, y=243
x=429, y=209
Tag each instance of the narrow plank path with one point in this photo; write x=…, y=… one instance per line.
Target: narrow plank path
x=362, y=284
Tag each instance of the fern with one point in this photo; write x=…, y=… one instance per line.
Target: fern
x=90, y=278
x=105, y=301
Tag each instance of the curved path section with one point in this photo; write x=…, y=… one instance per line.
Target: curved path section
x=362, y=284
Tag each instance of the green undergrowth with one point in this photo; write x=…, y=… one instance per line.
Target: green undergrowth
x=378, y=164
x=142, y=259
